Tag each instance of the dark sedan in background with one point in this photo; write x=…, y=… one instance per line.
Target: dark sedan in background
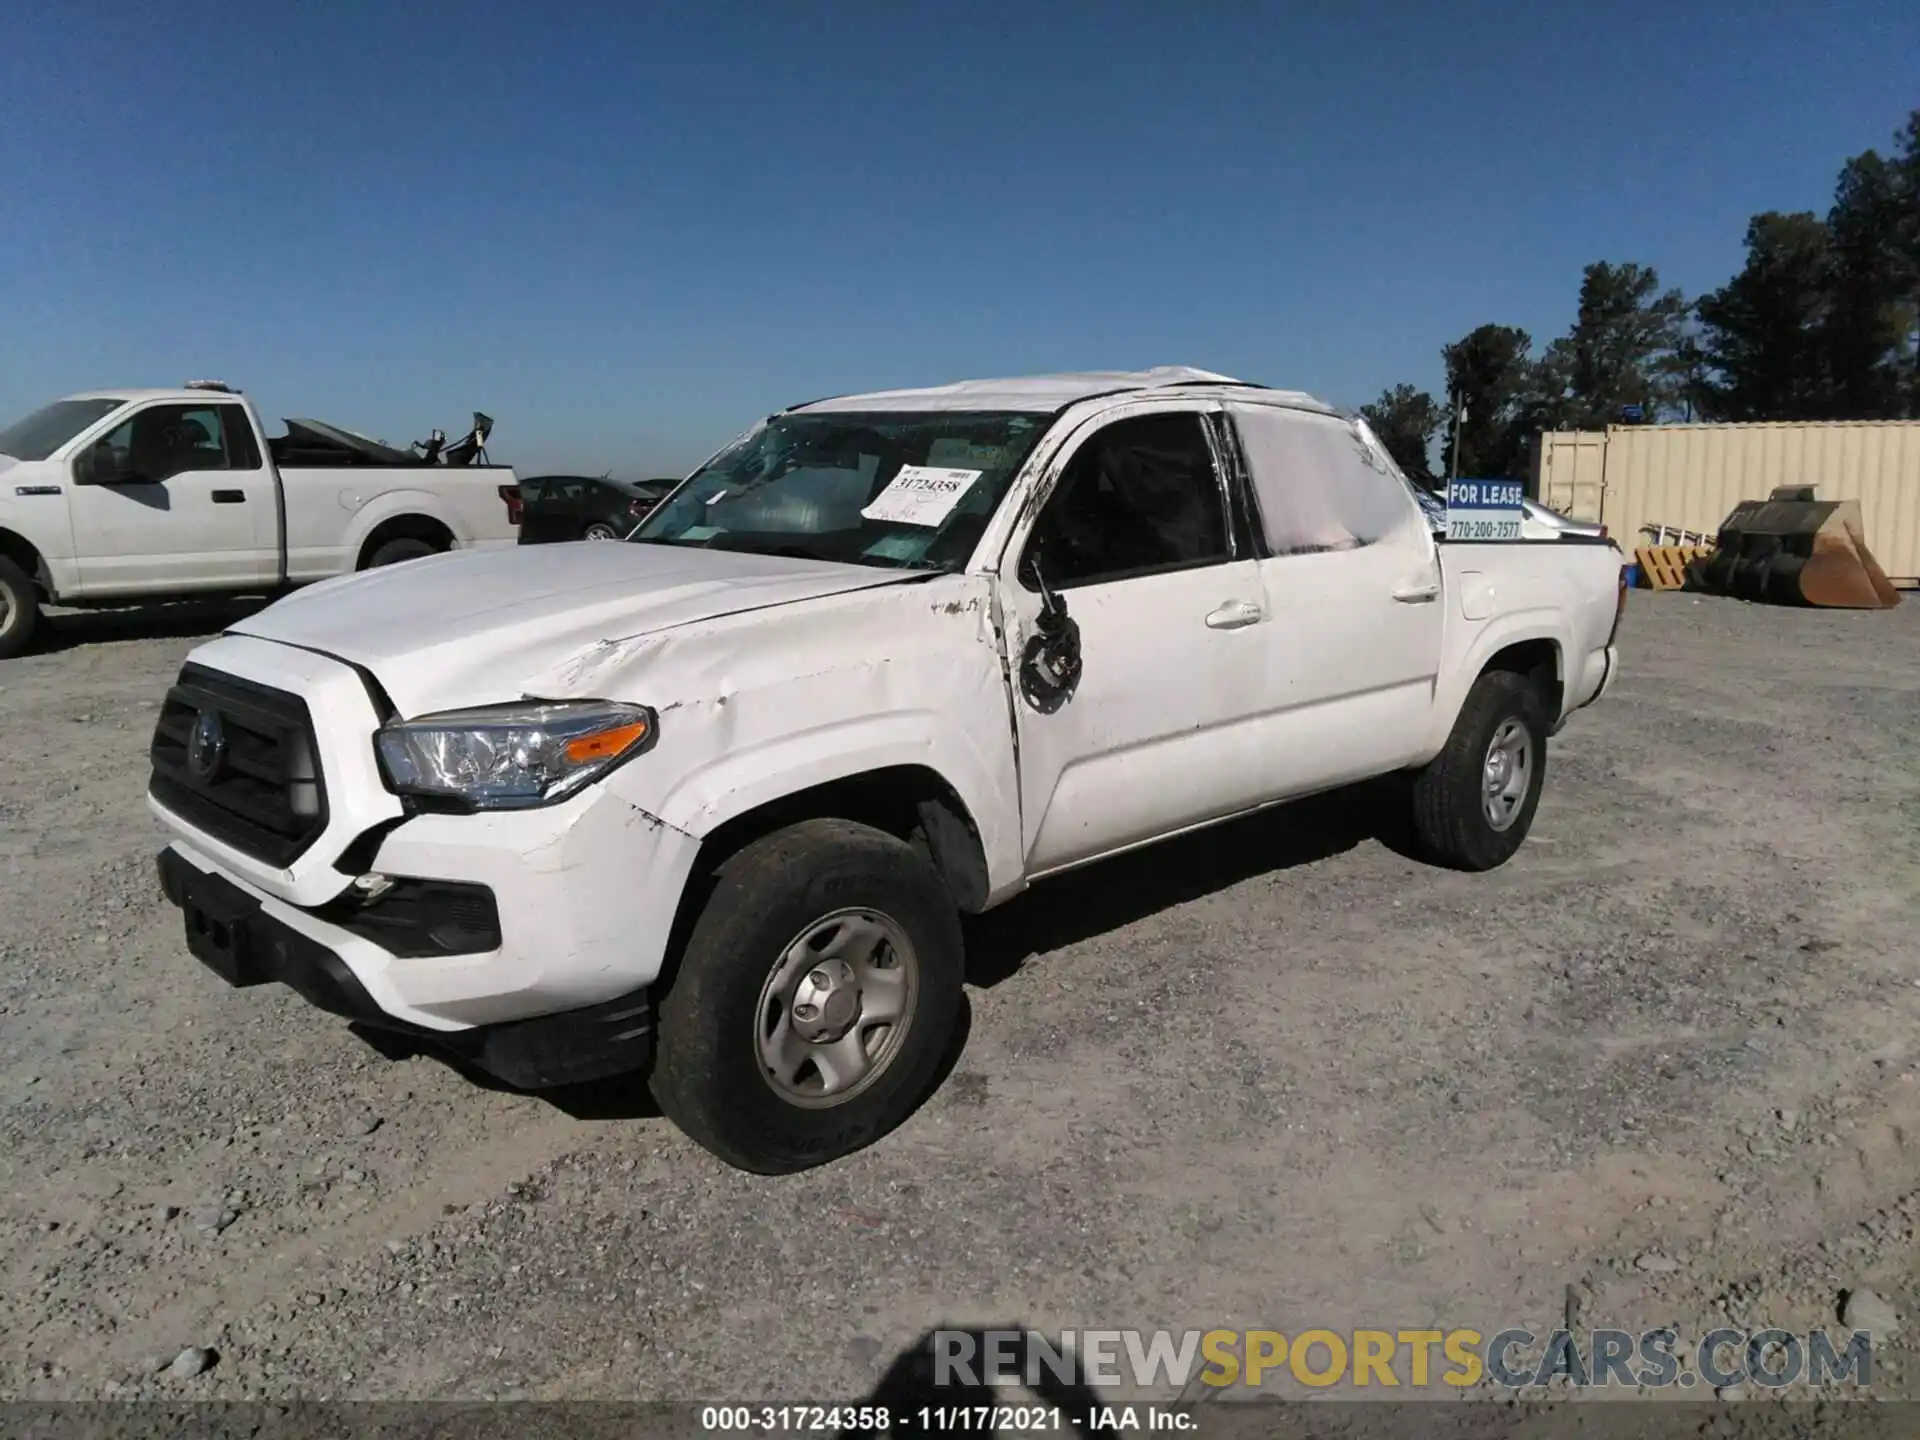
x=556, y=508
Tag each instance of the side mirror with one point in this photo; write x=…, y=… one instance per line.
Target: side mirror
x=1050, y=665
x=102, y=465
x=1053, y=609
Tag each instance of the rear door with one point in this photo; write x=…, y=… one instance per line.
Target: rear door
x=1162, y=727
x=177, y=497
x=1351, y=576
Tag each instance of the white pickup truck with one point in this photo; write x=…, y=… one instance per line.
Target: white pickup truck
x=130, y=495
x=715, y=800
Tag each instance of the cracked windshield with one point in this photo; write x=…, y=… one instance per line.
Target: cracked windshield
x=894, y=490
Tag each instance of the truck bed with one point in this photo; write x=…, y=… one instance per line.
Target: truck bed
x=1493, y=589
x=320, y=500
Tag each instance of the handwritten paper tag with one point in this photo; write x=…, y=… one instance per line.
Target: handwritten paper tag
x=921, y=495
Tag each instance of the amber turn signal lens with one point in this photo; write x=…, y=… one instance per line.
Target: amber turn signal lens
x=604, y=743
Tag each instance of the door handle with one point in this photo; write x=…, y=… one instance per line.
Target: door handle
x=229, y=497
x=1235, y=615
x=1417, y=594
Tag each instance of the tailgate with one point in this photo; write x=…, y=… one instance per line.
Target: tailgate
x=485, y=502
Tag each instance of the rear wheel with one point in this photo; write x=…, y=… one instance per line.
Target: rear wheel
x=599, y=530
x=1473, y=804
x=19, y=609
x=393, y=552
x=815, y=1001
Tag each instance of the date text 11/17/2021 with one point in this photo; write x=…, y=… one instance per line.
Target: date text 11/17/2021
x=940, y=1419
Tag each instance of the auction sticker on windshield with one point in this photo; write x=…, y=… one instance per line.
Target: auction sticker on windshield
x=1484, y=509
x=921, y=495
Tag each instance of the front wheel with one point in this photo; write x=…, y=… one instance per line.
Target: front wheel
x=1473, y=803
x=815, y=1001
x=19, y=609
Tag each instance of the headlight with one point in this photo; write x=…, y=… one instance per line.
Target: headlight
x=510, y=757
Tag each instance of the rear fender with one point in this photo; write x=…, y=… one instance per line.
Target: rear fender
x=390, y=505
x=1483, y=641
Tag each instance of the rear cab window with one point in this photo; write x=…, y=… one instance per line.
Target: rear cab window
x=1318, y=483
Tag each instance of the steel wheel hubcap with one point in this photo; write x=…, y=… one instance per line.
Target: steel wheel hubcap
x=834, y=1013
x=1507, y=774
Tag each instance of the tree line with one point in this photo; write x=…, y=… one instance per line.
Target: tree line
x=1821, y=323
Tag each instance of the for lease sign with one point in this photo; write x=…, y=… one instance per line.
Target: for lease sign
x=1484, y=509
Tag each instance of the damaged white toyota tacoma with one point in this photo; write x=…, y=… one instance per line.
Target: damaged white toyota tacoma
x=710, y=804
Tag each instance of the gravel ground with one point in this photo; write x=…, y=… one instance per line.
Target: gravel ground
x=1659, y=1069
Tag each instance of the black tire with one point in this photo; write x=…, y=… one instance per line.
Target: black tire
x=599, y=530
x=708, y=1076
x=407, y=547
x=1449, y=802
x=19, y=609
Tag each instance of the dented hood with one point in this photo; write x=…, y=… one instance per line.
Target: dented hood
x=481, y=627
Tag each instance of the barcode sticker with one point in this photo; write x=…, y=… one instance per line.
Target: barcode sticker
x=921, y=495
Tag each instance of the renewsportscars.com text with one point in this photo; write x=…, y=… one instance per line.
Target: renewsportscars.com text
x=1413, y=1359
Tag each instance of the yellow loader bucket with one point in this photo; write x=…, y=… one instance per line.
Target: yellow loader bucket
x=1791, y=549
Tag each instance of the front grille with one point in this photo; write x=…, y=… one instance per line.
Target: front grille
x=259, y=787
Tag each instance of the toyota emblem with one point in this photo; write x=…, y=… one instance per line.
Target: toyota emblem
x=206, y=745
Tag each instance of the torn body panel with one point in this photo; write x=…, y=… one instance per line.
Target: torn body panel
x=757, y=706
x=758, y=694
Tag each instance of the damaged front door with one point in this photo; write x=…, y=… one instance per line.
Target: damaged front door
x=1134, y=638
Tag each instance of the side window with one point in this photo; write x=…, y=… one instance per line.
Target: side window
x=1319, y=484
x=236, y=434
x=1139, y=496
x=168, y=440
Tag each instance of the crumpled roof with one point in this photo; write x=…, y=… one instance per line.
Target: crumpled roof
x=1038, y=393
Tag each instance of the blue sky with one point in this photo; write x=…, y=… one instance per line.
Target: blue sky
x=626, y=231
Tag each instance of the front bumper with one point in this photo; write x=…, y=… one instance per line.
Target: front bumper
x=247, y=939
x=540, y=912
x=1602, y=669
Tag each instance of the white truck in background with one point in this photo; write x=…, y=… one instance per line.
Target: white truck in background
x=713, y=801
x=117, y=496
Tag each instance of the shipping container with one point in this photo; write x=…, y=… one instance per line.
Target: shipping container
x=1634, y=478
